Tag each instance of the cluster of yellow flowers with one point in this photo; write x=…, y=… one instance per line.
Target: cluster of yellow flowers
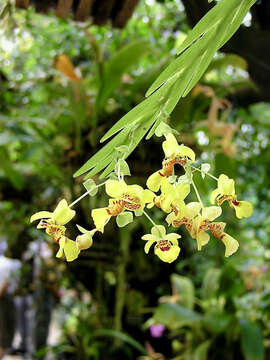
x=166, y=191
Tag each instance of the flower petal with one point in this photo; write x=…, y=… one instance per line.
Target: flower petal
x=226, y=185
x=115, y=188
x=211, y=212
x=182, y=191
x=148, y=196
x=170, y=145
x=214, y=195
x=242, y=209
x=186, y=151
x=231, y=244
x=148, y=245
x=169, y=255
x=159, y=231
x=100, y=217
x=41, y=215
x=170, y=218
x=149, y=237
x=202, y=239
x=63, y=214
x=62, y=242
x=172, y=237
x=192, y=209
x=70, y=249
x=154, y=181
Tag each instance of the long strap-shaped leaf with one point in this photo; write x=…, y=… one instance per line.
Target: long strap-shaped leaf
x=194, y=57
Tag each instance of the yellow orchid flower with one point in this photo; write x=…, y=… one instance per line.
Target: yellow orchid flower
x=197, y=225
x=166, y=247
x=53, y=221
x=68, y=248
x=60, y=216
x=172, y=149
x=185, y=216
x=172, y=197
x=175, y=154
x=125, y=197
x=226, y=192
x=85, y=241
x=201, y=224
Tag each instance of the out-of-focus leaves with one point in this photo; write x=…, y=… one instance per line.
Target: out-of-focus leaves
x=201, y=352
x=175, y=316
x=9, y=170
x=251, y=340
x=121, y=336
x=183, y=288
x=210, y=283
x=126, y=58
x=226, y=60
x=217, y=322
x=196, y=52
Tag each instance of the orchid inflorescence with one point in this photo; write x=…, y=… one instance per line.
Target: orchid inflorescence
x=164, y=190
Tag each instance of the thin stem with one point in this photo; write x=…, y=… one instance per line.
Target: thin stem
x=149, y=218
x=206, y=173
x=83, y=195
x=197, y=193
x=118, y=172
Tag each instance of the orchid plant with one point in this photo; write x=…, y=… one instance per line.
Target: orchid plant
x=166, y=191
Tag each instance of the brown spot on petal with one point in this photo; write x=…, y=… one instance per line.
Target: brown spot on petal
x=131, y=202
x=163, y=245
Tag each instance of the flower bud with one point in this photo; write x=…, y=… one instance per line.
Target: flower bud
x=84, y=241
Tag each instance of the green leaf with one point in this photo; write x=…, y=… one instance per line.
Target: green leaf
x=251, y=340
x=195, y=55
x=122, y=149
x=126, y=58
x=124, y=218
x=183, y=287
x=122, y=336
x=217, y=322
x=121, y=168
x=91, y=186
x=201, y=351
x=210, y=283
x=175, y=316
x=13, y=175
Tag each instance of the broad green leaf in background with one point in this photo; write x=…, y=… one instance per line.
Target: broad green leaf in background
x=217, y=322
x=175, y=316
x=194, y=57
x=226, y=60
x=126, y=58
x=251, y=340
x=201, y=351
x=8, y=167
x=121, y=336
x=183, y=287
x=210, y=283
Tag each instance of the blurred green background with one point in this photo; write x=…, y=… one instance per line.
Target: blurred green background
x=63, y=85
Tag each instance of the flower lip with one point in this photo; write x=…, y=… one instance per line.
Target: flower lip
x=163, y=245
